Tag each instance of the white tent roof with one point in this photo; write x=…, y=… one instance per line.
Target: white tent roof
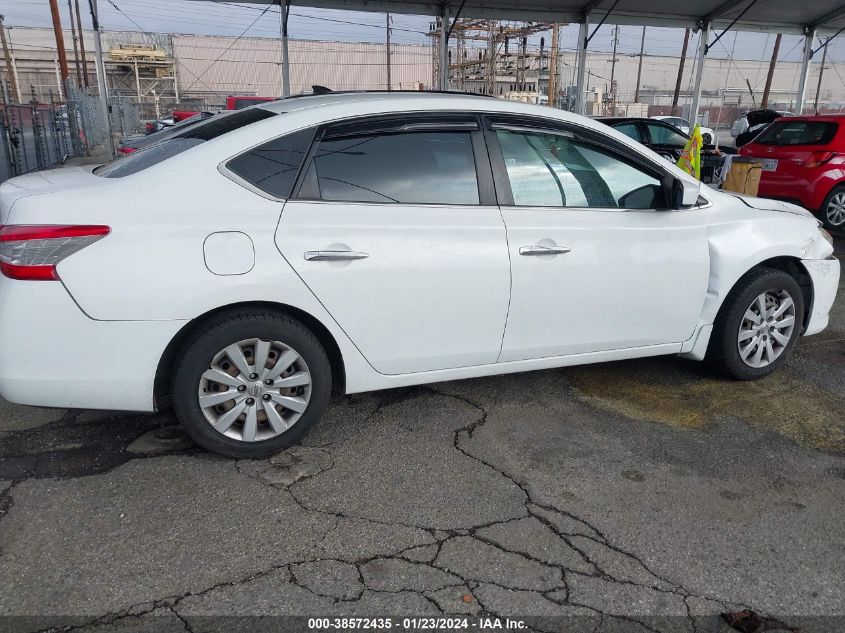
x=785, y=16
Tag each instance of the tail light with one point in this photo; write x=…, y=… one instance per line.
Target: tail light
x=126, y=150
x=819, y=158
x=32, y=252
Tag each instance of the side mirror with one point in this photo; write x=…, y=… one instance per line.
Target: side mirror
x=684, y=193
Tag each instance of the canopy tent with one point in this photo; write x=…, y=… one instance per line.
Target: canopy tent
x=710, y=17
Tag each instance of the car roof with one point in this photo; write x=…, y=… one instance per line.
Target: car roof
x=399, y=97
x=833, y=118
x=633, y=119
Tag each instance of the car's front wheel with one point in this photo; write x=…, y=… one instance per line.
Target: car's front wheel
x=833, y=209
x=251, y=383
x=758, y=325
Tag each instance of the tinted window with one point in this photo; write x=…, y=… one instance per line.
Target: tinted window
x=191, y=137
x=557, y=171
x=797, y=133
x=630, y=129
x=239, y=104
x=272, y=167
x=413, y=168
x=146, y=157
x=664, y=135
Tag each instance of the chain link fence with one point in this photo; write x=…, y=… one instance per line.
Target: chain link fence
x=37, y=135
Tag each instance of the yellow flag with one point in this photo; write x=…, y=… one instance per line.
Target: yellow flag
x=690, y=160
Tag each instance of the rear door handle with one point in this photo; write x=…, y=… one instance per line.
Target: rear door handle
x=544, y=250
x=329, y=256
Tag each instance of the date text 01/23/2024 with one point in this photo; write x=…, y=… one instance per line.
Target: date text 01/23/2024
x=415, y=624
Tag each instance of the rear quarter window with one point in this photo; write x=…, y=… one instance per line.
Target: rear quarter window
x=798, y=133
x=273, y=166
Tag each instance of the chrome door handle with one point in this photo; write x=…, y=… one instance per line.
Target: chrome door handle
x=329, y=256
x=543, y=250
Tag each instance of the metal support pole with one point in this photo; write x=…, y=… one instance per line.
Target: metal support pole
x=809, y=35
x=680, y=78
x=553, y=53
x=101, y=74
x=821, y=74
x=175, y=83
x=581, y=70
x=285, y=10
x=137, y=83
x=387, y=31
x=444, y=47
x=703, y=34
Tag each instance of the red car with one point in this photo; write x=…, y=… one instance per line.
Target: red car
x=804, y=162
x=232, y=103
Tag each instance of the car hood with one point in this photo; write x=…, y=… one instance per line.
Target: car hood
x=766, y=204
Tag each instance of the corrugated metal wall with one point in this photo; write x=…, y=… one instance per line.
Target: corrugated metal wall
x=207, y=64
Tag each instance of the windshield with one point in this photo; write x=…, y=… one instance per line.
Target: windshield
x=797, y=133
x=180, y=141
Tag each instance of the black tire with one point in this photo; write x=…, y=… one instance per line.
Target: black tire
x=823, y=212
x=218, y=333
x=723, y=351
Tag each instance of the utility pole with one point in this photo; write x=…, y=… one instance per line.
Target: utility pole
x=613, y=73
x=388, y=53
x=640, y=68
x=552, y=91
x=60, y=44
x=821, y=72
x=101, y=73
x=680, y=73
x=73, y=35
x=81, y=45
x=284, y=12
x=765, y=101
x=9, y=69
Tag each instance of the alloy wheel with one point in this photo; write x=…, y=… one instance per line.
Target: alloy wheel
x=766, y=328
x=836, y=209
x=255, y=389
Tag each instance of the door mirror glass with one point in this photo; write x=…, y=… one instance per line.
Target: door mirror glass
x=645, y=197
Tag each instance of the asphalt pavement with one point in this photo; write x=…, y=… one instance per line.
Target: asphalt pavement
x=644, y=495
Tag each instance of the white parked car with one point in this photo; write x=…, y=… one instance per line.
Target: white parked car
x=708, y=135
x=248, y=265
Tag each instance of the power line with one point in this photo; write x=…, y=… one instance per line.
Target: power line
x=235, y=41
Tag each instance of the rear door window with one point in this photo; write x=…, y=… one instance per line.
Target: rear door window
x=798, y=133
x=436, y=167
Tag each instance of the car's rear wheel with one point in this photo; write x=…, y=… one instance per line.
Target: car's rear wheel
x=833, y=209
x=758, y=325
x=251, y=383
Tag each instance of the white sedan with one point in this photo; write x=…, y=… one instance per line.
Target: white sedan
x=248, y=265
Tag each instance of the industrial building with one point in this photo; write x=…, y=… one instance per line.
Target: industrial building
x=161, y=71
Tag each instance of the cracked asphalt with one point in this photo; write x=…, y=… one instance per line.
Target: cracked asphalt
x=637, y=496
